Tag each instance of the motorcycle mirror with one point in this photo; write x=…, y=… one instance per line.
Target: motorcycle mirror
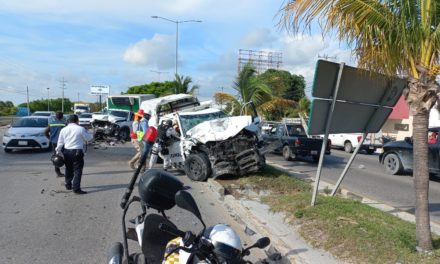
x=261, y=243
x=185, y=201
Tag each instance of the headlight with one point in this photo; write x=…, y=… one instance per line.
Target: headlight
x=7, y=134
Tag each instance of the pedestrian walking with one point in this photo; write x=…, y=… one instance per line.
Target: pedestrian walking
x=144, y=127
x=52, y=132
x=137, y=144
x=71, y=144
x=165, y=132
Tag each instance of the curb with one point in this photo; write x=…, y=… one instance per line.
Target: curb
x=256, y=217
x=346, y=193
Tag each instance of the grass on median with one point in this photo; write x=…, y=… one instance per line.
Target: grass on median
x=350, y=230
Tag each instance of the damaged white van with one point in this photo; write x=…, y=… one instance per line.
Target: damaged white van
x=211, y=143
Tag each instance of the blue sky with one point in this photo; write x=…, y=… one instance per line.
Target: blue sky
x=117, y=43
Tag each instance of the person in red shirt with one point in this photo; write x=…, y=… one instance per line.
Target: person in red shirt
x=432, y=139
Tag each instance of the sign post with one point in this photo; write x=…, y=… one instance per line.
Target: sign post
x=100, y=90
x=349, y=100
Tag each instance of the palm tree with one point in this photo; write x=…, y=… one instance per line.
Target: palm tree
x=249, y=88
x=182, y=85
x=392, y=37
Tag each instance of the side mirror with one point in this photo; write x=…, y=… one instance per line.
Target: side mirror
x=261, y=243
x=185, y=201
x=408, y=140
x=8, y=126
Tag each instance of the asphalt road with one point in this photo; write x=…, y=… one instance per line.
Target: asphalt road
x=41, y=222
x=367, y=177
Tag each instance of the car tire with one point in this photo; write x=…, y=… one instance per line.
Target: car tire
x=124, y=134
x=287, y=153
x=348, y=147
x=392, y=164
x=7, y=150
x=198, y=167
x=370, y=151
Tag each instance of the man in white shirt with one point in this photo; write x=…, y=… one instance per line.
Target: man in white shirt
x=71, y=143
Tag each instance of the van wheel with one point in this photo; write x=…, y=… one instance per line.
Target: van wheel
x=198, y=167
x=348, y=147
x=124, y=134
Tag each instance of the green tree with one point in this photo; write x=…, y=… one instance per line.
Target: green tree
x=7, y=108
x=182, y=85
x=391, y=37
x=250, y=88
x=157, y=88
x=54, y=105
x=283, y=84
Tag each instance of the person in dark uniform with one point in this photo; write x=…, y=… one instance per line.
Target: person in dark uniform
x=52, y=132
x=73, y=138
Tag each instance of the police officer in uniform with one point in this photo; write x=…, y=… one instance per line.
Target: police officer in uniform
x=52, y=132
x=71, y=143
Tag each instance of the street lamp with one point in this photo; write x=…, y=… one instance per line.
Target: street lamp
x=158, y=73
x=177, y=22
x=48, y=98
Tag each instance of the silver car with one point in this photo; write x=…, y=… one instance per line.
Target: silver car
x=27, y=133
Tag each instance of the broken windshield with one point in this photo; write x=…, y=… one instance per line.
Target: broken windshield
x=189, y=121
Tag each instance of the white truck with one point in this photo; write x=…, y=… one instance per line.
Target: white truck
x=80, y=108
x=349, y=142
x=116, y=121
x=211, y=143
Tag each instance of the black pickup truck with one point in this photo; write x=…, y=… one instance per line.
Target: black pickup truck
x=290, y=140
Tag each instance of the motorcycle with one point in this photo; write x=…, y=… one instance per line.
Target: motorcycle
x=161, y=241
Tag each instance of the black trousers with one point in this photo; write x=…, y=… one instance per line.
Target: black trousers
x=74, y=162
x=54, y=146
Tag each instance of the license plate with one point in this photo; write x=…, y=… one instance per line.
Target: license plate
x=371, y=147
x=314, y=152
x=22, y=143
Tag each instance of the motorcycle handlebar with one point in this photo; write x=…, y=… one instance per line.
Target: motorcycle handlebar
x=171, y=230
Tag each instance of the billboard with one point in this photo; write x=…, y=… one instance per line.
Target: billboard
x=99, y=90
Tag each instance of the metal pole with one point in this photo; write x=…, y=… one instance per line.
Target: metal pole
x=327, y=128
x=27, y=98
x=335, y=189
x=62, y=100
x=177, y=44
x=48, y=99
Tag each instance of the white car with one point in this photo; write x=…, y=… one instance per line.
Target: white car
x=27, y=133
x=85, y=119
x=349, y=142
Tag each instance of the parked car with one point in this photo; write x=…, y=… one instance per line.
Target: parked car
x=397, y=156
x=291, y=140
x=44, y=113
x=349, y=142
x=27, y=133
x=85, y=119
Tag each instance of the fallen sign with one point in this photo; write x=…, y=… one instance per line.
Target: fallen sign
x=349, y=100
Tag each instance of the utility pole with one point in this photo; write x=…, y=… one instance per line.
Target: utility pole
x=63, y=83
x=158, y=73
x=27, y=98
x=48, y=108
x=78, y=97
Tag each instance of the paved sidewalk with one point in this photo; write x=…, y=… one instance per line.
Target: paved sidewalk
x=256, y=217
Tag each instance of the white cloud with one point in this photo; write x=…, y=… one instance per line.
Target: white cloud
x=157, y=52
x=258, y=39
